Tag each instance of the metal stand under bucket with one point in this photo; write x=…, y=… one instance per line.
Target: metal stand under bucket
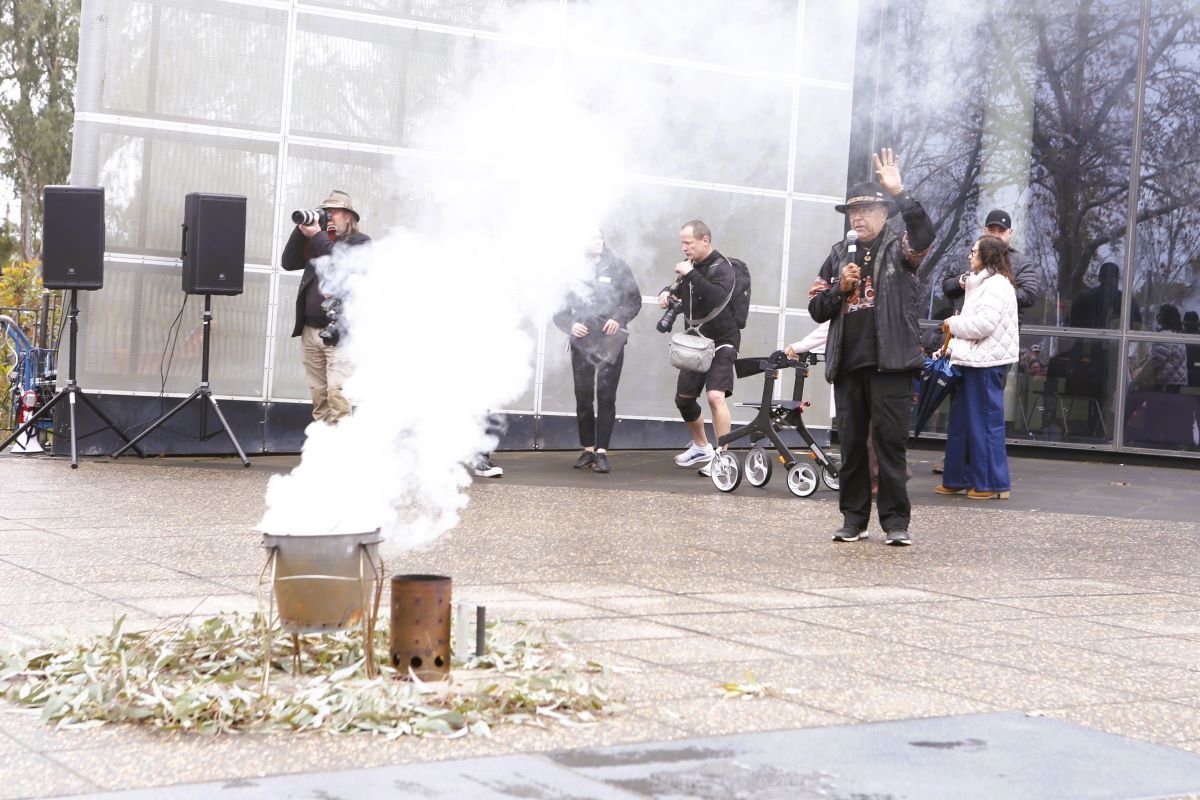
x=321, y=584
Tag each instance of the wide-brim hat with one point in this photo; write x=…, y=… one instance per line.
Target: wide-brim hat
x=865, y=193
x=339, y=199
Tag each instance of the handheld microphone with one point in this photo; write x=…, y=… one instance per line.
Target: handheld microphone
x=852, y=249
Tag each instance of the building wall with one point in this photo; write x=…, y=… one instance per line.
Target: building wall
x=282, y=101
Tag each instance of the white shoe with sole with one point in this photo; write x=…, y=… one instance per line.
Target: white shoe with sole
x=695, y=454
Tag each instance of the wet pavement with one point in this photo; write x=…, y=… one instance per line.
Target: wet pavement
x=1074, y=604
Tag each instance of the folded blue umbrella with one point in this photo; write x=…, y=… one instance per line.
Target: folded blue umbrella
x=938, y=379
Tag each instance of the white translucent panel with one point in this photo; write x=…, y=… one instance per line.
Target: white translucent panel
x=822, y=136
x=760, y=34
x=467, y=13
x=287, y=374
x=524, y=402
x=681, y=122
x=211, y=61
x=123, y=342
x=362, y=82
x=815, y=228
x=146, y=175
x=828, y=47
x=644, y=228
x=816, y=390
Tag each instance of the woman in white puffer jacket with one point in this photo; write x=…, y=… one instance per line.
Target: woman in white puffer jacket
x=985, y=344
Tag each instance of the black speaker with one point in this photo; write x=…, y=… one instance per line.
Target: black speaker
x=214, y=243
x=73, y=237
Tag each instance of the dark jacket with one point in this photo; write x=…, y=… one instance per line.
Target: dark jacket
x=609, y=291
x=1027, y=284
x=703, y=289
x=898, y=339
x=300, y=252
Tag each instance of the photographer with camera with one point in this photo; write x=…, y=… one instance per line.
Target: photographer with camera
x=702, y=294
x=318, y=231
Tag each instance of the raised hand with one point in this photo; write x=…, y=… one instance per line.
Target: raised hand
x=887, y=168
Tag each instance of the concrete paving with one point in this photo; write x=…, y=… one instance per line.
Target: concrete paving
x=1077, y=600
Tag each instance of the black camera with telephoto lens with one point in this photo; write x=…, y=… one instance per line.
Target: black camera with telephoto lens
x=674, y=309
x=311, y=216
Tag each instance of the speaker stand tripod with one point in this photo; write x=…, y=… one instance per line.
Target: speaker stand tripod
x=203, y=393
x=69, y=393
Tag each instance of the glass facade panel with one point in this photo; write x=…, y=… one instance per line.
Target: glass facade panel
x=1046, y=132
x=1167, y=267
x=1162, y=407
x=815, y=228
x=287, y=375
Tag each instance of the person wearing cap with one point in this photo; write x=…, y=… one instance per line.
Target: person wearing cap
x=874, y=350
x=325, y=368
x=998, y=224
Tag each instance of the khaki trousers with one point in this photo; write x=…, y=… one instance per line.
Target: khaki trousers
x=327, y=371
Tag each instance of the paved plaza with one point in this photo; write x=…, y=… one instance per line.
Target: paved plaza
x=1070, y=611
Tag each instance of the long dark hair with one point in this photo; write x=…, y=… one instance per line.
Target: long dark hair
x=993, y=255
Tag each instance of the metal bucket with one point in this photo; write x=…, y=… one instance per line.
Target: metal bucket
x=420, y=631
x=324, y=583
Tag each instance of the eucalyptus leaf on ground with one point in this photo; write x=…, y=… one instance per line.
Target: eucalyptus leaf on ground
x=206, y=677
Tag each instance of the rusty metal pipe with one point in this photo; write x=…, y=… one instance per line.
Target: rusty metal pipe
x=420, y=630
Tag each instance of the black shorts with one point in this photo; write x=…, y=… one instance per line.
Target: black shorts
x=718, y=378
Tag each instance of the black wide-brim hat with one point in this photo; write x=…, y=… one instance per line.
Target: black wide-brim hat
x=865, y=193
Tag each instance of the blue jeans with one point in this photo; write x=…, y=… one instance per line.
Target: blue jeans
x=976, y=457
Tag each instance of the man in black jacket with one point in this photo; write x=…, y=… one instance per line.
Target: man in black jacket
x=324, y=366
x=705, y=287
x=874, y=347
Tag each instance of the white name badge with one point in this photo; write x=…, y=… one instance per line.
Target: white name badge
x=605, y=279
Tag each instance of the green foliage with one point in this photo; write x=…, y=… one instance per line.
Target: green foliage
x=39, y=44
x=207, y=678
x=21, y=285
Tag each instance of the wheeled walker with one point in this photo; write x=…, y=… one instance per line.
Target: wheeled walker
x=758, y=463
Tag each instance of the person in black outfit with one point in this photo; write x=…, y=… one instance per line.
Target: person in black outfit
x=874, y=346
x=324, y=365
x=705, y=287
x=596, y=315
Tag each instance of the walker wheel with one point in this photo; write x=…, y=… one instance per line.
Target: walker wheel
x=726, y=475
x=802, y=480
x=831, y=480
x=758, y=467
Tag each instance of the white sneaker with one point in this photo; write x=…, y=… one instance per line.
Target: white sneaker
x=694, y=455
x=706, y=470
x=486, y=468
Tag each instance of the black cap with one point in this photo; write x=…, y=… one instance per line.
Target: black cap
x=863, y=193
x=998, y=217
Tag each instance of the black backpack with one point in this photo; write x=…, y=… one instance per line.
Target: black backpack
x=741, y=292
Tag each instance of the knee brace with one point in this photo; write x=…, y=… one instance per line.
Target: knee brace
x=689, y=409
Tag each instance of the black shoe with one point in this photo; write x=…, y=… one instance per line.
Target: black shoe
x=602, y=462
x=898, y=538
x=585, y=460
x=849, y=533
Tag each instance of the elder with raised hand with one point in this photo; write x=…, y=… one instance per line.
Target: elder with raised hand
x=874, y=349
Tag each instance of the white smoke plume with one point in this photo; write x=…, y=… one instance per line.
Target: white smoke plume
x=444, y=308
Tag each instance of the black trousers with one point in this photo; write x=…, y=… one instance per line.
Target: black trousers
x=595, y=397
x=879, y=402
